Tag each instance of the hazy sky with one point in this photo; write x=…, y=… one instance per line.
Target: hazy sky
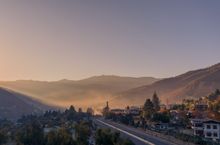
x=56, y=39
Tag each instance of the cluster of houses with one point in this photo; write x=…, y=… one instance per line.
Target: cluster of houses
x=200, y=123
x=135, y=112
x=204, y=126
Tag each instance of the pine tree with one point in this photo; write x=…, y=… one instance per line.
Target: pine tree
x=72, y=109
x=148, y=109
x=217, y=92
x=156, y=102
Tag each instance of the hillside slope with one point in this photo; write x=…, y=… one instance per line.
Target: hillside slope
x=193, y=84
x=13, y=105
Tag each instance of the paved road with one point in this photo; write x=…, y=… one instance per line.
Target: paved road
x=137, y=136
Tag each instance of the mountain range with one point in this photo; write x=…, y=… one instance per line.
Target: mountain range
x=120, y=91
x=192, y=84
x=90, y=92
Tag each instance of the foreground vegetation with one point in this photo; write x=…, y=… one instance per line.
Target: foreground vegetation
x=58, y=128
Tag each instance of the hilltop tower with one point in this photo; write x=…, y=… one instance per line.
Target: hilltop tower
x=106, y=109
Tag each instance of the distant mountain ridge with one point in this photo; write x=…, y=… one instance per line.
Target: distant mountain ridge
x=82, y=93
x=121, y=91
x=193, y=84
x=13, y=105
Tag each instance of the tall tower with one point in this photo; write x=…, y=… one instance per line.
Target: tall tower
x=107, y=105
x=106, y=109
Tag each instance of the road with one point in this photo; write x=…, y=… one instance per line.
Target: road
x=139, y=137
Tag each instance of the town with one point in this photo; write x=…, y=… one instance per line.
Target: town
x=193, y=121
x=109, y=72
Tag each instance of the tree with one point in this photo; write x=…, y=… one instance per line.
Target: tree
x=106, y=137
x=217, y=91
x=3, y=138
x=60, y=137
x=80, y=110
x=156, y=102
x=213, y=96
x=126, y=119
x=71, y=113
x=161, y=117
x=90, y=111
x=103, y=137
x=127, y=142
x=51, y=138
x=72, y=109
x=148, y=109
x=215, y=106
x=178, y=107
x=82, y=133
x=31, y=135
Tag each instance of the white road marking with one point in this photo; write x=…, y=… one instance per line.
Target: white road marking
x=138, y=138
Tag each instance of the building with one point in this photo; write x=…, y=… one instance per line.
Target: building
x=133, y=110
x=201, y=106
x=162, y=126
x=163, y=107
x=118, y=111
x=207, y=128
x=212, y=129
x=90, y=111
x=46, y=130
x=197, y=126
x=106, y=109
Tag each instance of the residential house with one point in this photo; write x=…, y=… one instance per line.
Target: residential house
x=117, y=111
x=197, y=126
x=201, y=106
x=133, y=110
x=162, y=126
x=212, y=129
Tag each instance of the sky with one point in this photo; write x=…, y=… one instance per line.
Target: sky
x=75, y=39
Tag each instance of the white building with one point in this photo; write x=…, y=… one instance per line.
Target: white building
x=118, y=111
x=212, y=129
x=197, y=126
x=133, y=110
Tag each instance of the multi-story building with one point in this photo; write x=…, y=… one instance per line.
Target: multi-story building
x=207, y=128
x=118, y=111
x=212, y=129
x=201, y=106
x=197, y=126
x=133, y=110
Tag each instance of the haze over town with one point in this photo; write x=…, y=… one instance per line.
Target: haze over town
x=119, y=72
